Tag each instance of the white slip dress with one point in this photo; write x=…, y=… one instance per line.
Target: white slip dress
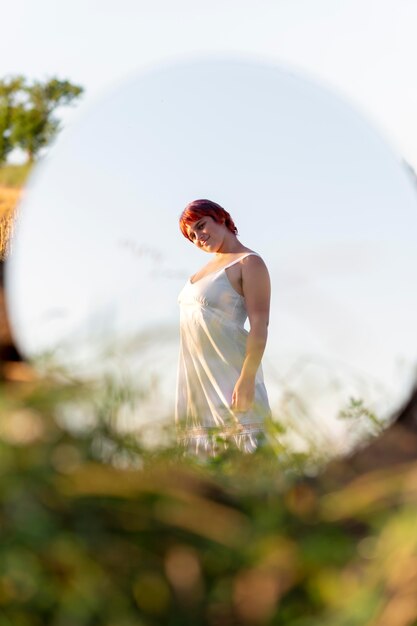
x=212, y=351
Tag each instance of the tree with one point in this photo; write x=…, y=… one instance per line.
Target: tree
x=34, y=125
x=27, y=110
x=10, y=88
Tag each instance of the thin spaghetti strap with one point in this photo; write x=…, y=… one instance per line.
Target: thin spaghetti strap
x=240, y=258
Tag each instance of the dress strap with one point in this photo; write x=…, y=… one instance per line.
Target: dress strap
x=240, y=258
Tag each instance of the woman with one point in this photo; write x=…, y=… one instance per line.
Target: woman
x=220, y=388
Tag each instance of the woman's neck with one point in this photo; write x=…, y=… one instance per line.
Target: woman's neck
x=231, y=245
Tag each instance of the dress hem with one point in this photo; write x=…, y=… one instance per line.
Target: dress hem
x=212, y=440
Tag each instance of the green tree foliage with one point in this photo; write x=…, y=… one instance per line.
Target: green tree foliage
x=10, y=88
x=27, y=119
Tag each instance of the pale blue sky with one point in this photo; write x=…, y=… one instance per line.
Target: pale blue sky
x=364, y=48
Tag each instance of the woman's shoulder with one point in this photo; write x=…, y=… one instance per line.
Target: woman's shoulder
x=254, y=267
x=252, y=257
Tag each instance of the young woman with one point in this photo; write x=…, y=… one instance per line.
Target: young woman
x=220, y=388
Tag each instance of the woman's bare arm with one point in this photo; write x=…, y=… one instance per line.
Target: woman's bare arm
x=256, y=287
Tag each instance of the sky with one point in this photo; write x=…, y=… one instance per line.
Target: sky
x=366, y=49
x=362, y=51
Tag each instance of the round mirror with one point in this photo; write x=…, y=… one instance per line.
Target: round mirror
x=98, y=258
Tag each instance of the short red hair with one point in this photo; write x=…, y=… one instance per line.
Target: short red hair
x=199, y=208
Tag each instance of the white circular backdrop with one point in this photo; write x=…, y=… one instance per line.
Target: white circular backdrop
x=98, y=259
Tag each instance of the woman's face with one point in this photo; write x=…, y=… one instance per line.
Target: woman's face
x=207, y=234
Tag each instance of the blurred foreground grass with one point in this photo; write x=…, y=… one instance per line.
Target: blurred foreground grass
x=99, y=529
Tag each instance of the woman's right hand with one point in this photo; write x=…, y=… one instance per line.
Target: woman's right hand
x=243, y=394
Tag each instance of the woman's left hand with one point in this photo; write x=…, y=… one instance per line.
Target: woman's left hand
x=243, y=394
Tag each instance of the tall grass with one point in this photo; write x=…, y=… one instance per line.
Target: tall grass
x=7, y=222
x=11, y=179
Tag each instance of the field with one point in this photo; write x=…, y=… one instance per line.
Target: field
x=12, y=179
